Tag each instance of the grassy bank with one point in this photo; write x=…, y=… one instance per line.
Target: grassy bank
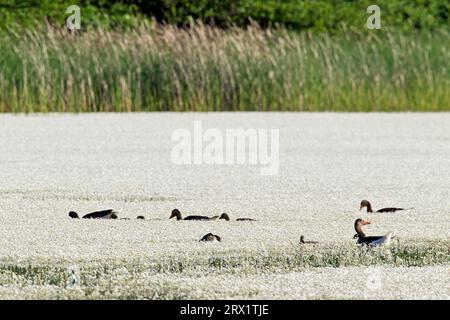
x=209, y=69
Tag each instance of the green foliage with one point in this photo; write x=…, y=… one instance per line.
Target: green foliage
x=36, y=14
x=319, y=15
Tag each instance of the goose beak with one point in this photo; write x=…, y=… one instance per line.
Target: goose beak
x=366, y=222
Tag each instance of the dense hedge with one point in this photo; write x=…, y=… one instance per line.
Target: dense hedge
x=320, y=15
x=304, y=14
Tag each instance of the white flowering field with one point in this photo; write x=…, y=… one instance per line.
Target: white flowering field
x=328, y=163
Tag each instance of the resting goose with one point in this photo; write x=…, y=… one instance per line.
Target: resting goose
x=366, y=204
x=105, y=214
x=303, y=241
x=177, y=214
x=210, y=237
x=226, y=217
x=373, y=240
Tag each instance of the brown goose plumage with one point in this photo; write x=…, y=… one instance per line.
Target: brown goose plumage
x=366, y=204
x=177, y=214
x=303, y=241
x=226, y=217
x=104, y=214
x=372, y=240
x=210, y=237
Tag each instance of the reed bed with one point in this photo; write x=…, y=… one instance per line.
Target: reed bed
x=165, y=68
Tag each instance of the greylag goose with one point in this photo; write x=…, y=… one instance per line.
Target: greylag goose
x=226, y=217
x=104, y=214
x=210, y=237
x=177, y=214
x=366, y=204
x=303, y=241
x=372, y=240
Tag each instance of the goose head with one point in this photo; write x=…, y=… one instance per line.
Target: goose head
x=73, y=215
x=175, y=214
x=224, y=216
x=365, y=204
x=359, y=223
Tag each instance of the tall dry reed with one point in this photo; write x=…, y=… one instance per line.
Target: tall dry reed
x=165, y=68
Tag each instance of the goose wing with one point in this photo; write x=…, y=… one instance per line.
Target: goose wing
x=245, y=219
x=377, y=240
x=98, y=214
x=369, y=240
x=390, y=209
x=196, y=218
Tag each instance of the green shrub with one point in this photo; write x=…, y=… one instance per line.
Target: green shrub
x=319, y=15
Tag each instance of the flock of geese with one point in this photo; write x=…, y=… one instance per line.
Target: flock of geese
x=361, y=237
